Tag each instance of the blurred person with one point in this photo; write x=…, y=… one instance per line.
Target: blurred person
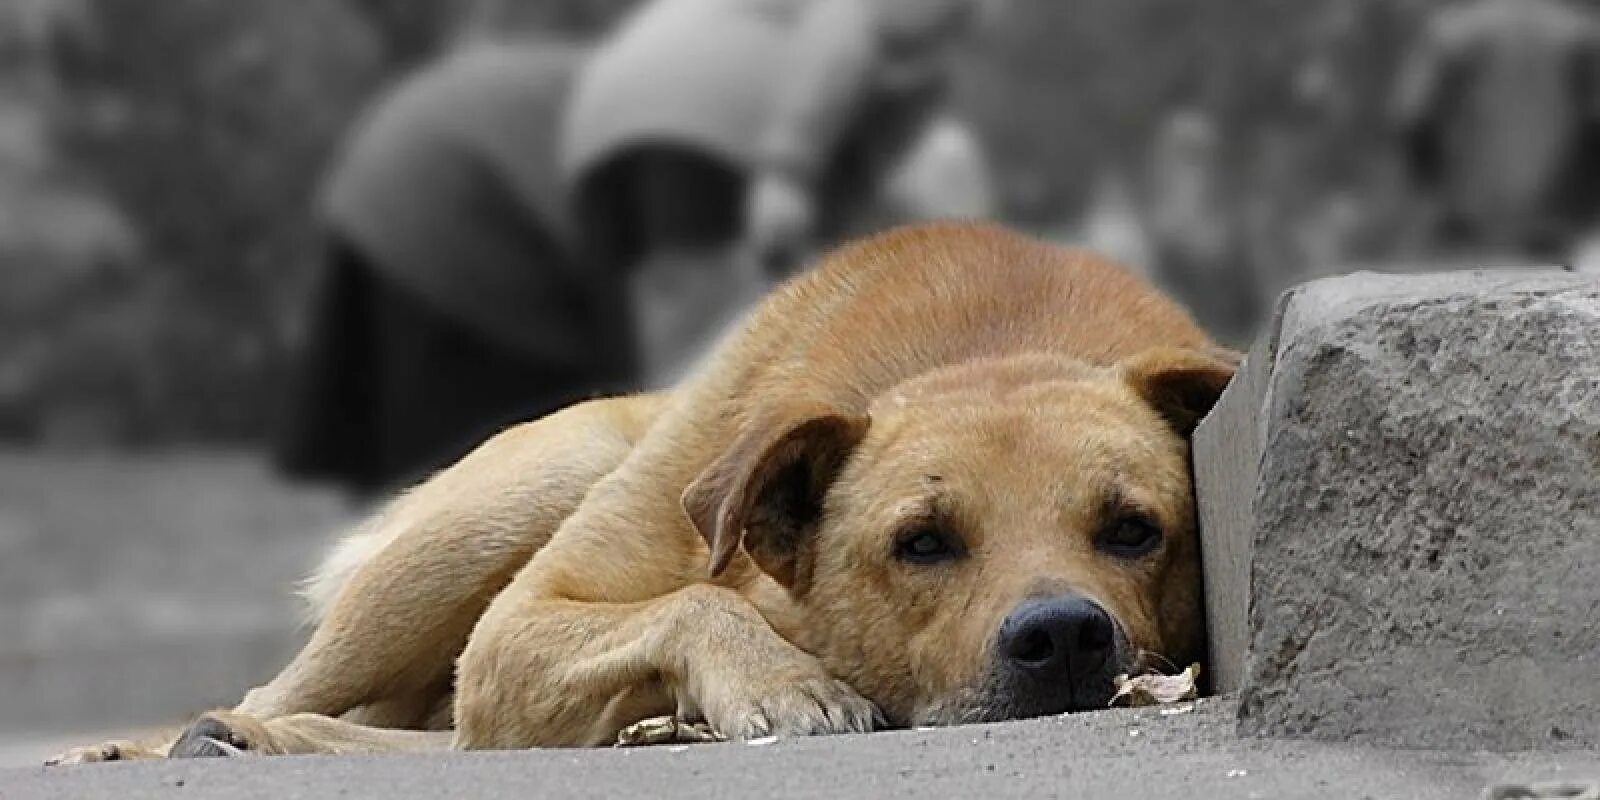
x=450, y=304
x=713, y=144
x=1196, y=238
x=1498, y=105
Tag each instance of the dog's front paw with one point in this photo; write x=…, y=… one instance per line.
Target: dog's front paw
x=800, y=706
x=118, y=750
x=219, y=734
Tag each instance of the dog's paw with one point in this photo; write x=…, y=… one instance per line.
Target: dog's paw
x=801, y=707
x=118, y=750
x=219, y=734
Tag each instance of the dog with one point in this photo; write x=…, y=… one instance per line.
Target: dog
x=943, y=477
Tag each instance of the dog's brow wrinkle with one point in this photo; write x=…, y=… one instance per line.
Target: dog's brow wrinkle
x=916, y=509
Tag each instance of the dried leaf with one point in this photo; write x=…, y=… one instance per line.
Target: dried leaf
x=665, y=730
x=1157, y=690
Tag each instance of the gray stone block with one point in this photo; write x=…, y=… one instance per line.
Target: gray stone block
x=1227, y=464
x=1415, y=529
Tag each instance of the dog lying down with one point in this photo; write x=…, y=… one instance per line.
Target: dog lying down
x=941, y=478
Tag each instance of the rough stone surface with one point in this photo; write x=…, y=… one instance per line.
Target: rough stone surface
x=1425, y=565
x=1227, y=464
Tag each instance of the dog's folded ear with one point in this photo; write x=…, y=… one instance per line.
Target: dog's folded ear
x=766, y=490
x=1181, y=384
x=1227, y=355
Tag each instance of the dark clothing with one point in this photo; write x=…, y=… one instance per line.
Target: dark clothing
x=450, y=185
x=661, y=197
x=654, y=198
x=393, y=389
x=452, y=303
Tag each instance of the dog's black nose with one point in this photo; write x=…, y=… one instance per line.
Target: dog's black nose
x=1064, y=639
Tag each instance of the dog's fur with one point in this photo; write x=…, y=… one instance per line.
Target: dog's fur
x=736, y=549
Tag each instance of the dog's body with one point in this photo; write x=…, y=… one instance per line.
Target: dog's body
x=942, y=477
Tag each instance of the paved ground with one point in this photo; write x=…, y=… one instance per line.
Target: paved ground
x=1121, y=754
x=138, y=589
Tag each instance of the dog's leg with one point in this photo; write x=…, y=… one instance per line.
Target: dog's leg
x=612, y=623
x=223, y=733
x=387, y=645
x=614, y=620
x=454, y=542
x=144, y=748
x=550, y=672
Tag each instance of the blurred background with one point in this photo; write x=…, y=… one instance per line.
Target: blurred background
x=264, y=261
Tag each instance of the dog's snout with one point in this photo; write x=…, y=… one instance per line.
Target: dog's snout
x=1058, y=639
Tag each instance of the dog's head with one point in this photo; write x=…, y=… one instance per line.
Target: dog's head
x=990, y=541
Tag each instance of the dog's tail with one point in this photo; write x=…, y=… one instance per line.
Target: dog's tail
x=323, y=585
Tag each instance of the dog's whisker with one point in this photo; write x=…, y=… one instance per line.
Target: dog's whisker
x=224, y=746
x=1144, y=654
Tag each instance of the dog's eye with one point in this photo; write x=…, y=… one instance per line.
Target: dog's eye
x=927, y=546
x=1131, y=537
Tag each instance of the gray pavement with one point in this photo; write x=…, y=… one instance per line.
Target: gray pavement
x=1114, y=754
x=137, y=589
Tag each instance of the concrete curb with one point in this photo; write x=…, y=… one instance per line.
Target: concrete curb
x=1400, y=509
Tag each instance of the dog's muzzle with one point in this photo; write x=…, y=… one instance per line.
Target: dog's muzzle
x=1056, y=654
x=1053, y=654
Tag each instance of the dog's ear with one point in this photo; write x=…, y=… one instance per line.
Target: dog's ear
x=766, y=491
x=1227, y=355
x=1181, y=384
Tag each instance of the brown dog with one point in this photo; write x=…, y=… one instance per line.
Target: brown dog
x=941, y=478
